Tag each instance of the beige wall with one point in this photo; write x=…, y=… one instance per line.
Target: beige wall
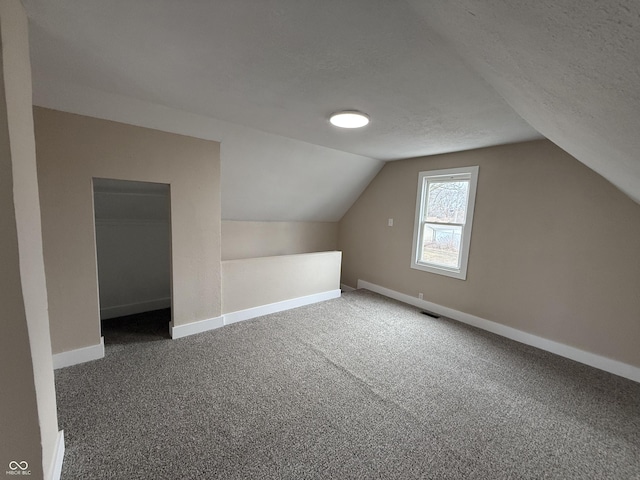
x=554, y=248
x=71, y=150
x=254, y=282
x=28, y=419
x=263, y=239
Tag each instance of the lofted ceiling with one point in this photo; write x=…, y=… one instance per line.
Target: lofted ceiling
x=262, y=76
x=570, y=68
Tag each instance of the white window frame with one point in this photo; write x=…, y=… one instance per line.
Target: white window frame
x=466, y=173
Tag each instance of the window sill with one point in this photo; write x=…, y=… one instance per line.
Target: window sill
x=448, y=272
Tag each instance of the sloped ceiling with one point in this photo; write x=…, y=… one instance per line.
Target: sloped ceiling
x=263, y=76
x=264, y=177
x=570, y=68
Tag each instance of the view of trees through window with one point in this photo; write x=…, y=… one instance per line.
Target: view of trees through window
x=445, y=203
x=444, y=217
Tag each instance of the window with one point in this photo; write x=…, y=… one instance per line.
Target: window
x=444, y=214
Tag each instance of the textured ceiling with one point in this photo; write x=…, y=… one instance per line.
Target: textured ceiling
x=570, y=68
x=435, y=76
x=281, y=66
x=263, y=176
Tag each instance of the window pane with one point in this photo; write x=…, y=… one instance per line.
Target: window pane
x=447, y=201
x=441, y=245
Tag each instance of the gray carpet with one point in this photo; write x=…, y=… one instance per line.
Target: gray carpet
x=359, y=387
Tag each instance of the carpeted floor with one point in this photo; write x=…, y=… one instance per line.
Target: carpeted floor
x=360, y=387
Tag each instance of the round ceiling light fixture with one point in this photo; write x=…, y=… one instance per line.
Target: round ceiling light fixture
x=349, y=119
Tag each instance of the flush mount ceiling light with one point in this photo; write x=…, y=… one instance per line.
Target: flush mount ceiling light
x=349, y=119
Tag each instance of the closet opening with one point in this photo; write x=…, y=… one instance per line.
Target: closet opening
x=133, y=245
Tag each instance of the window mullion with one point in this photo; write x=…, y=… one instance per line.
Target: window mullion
x=445, y=223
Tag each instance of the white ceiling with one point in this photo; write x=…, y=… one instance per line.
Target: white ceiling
x=262, y=76
x=264, y=176
x=571, y=68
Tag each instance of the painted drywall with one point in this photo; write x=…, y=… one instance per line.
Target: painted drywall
x=263, y=239
x=134, y=267
x=255, y=282
x=316, y=184
x=554, y=248
x=73, y=149
x=28, y=418
x=133, y=238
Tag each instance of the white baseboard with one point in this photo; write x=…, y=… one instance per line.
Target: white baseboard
x=233, y=317
x=79, y=355
x=249, y=313
x=588, y=358
x=346, y=288
x=192, y=328
x=133, y=308
x=55, y=470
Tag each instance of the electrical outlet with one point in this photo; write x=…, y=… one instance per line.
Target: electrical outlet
x=390, y=223
x=421, y=296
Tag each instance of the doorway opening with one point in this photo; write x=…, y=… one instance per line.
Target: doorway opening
x=133, y=245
